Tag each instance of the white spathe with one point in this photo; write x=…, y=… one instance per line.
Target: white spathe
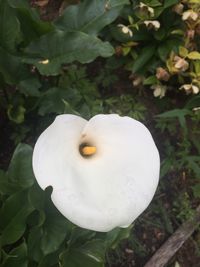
x=109, y=189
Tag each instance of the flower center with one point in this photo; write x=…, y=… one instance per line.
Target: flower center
x=87, y=150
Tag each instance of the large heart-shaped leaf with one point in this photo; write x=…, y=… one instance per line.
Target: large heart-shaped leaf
x=59, y=47
x=90, y=16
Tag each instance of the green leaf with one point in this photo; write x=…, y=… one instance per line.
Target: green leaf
x=12, y=68
x=196, y=190
x=19, y=175
x=116, y=235
x=183, y=52
x=154, y=3
x=55, y=229
x=80, y=236
x=20, y=168
x=176, y=113
x=194, y=1
x=193, y=102
x=166, y=166
x=168, y=3
x=193, y=164
x=52, y=101
x=43, y=240
x=76, y=258
x=17, y=257
x=37, y=197
x=51, y=259
x=196, y=64
x=96, y=248
x=150, y=80
x=166, y=47
x=143, y=58
x=90, y=16
x=48, y=235
x=194, y=55
x=59, y=47
x=9, y=26
x=7, y=187
x=13, y=217
x=16, y=114
x=29, y=87
x=34, y=239
x=31, y=25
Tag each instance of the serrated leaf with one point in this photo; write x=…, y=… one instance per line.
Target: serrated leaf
x=193, y=164
x=176, y=113
x=60, y=47
x=193, y=102
x=90, y=16
x=194, y=55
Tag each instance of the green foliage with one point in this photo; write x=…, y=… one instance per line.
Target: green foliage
x=61, y=47
x=38, y=233
x=125, y=105
x=79, y=64
x=160, y=48
x=27, y=43
x=96, y=16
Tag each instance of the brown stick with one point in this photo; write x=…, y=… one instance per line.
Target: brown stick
x=172, y=245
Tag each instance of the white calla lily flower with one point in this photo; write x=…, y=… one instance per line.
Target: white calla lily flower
x=104, y=172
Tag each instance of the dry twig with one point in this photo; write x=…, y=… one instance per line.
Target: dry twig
x=174, y=243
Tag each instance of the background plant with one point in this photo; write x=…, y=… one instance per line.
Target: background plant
x=114, y=56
